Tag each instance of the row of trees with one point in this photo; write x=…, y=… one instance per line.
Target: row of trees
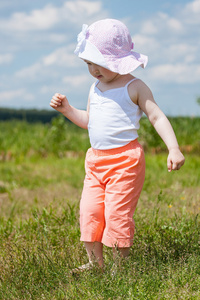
x=30, y=115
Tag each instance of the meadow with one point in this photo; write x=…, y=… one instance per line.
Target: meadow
x=41, y=177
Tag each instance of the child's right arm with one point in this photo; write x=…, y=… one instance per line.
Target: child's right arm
x=79, y=117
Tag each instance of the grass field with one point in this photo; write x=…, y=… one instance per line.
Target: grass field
x=41, y=176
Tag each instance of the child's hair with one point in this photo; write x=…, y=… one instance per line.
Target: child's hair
x=108, y=43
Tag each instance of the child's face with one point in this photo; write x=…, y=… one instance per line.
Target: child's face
x=101, y=73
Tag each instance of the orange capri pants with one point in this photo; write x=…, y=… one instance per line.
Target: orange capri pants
x=112, y=186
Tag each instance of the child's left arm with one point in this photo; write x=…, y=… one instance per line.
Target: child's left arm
x=162, y=125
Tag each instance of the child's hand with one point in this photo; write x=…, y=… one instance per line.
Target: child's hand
x=60, y=103
x=175, y=159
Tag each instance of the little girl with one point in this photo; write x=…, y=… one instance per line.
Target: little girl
x=115, y=164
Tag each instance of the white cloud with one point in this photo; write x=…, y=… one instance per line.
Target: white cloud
x=63, y=56
x=77, y=81
x=145, y=43
x=174, y=24
x=7, y=96
x=30, y=72
x=149, y=27
x=161, y=23
x=50, y=16
x=57, y=38
x=175, y=73
x=6, y=58
x=172, y=45
x=181, y=52
x=191, y=12
x=52, y=65
x=82, y=9
x=37, y=20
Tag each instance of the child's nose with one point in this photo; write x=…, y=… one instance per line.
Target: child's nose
x=95, y=69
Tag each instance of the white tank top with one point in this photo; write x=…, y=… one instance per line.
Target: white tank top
x=113, y=118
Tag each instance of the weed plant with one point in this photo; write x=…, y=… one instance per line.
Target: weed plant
x=40, y=188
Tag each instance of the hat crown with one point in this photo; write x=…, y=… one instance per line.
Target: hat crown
x=111, y=37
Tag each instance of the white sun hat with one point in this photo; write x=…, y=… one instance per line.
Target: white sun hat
x=108, y=43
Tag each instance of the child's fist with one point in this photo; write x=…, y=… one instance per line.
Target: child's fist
x=56, y=100
x=59, y=102
x=175, y=160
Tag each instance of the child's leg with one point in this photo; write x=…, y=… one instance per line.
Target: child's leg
x=92, y=220
x=118, y=254
x=121, y=196
x=124, y=252
x=95, y=252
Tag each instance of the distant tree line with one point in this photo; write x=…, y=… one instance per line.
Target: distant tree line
x=29, y=115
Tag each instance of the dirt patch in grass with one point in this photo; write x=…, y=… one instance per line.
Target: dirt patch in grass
x=21, y=201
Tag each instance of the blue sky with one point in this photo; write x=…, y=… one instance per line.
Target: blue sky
x=38, y=39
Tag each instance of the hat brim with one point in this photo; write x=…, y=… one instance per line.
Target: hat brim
x=121, y=65
x=127, y=64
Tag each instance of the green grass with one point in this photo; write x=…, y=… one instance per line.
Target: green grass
x=39, y=223
x=19, y=140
